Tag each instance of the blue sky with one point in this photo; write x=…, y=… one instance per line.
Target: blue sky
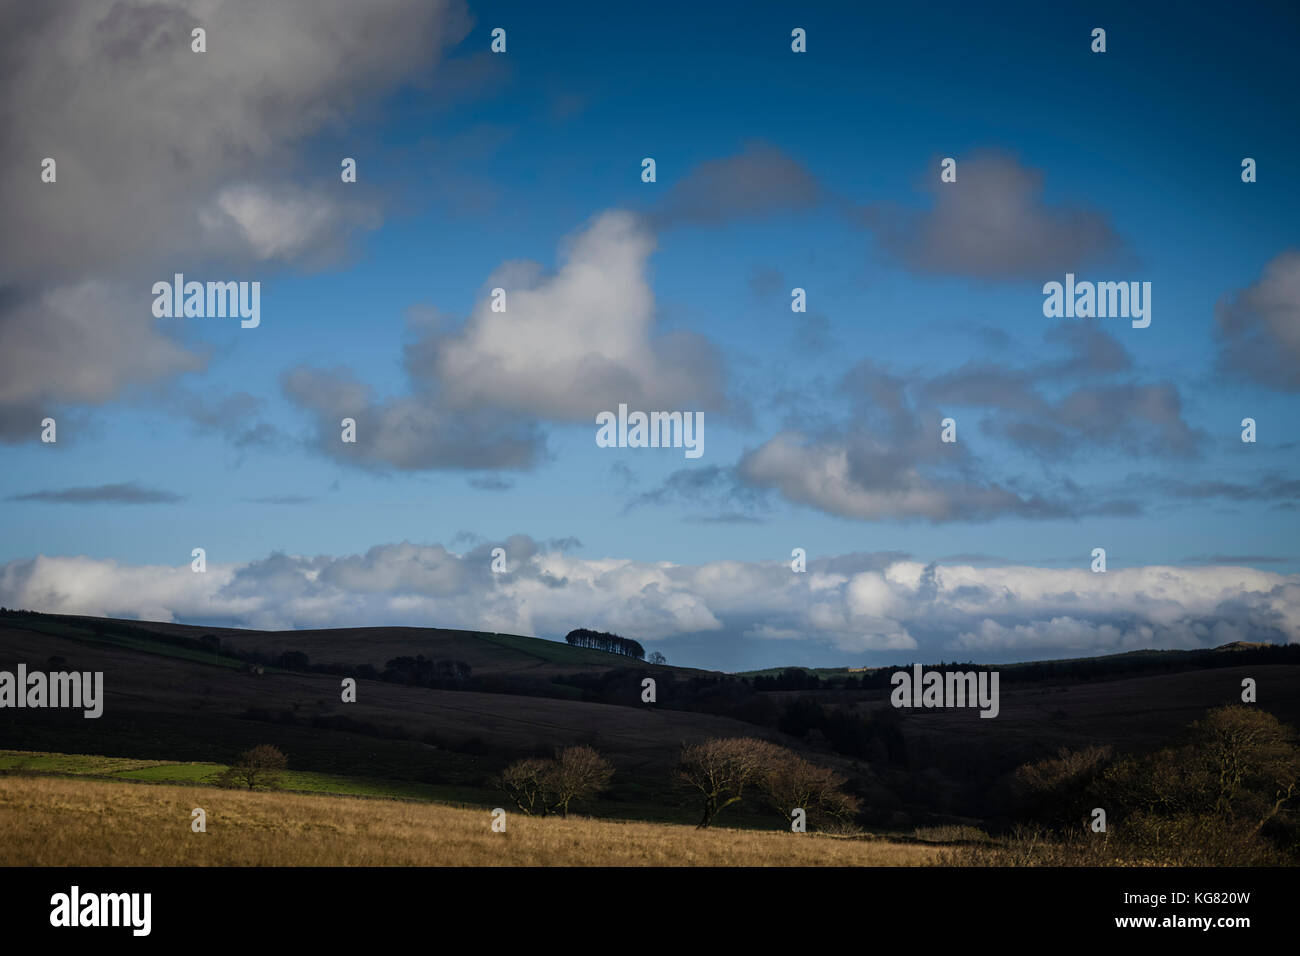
x=774, y=170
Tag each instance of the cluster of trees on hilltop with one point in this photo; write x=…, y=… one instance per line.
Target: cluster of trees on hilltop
x=604, y=641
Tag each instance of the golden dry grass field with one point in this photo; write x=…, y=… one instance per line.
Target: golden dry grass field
x=60, y=822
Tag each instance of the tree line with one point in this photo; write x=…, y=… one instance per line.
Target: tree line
x=1223, y=793
x=604, y=641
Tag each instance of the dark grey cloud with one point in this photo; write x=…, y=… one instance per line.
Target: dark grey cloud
x=78, y=344
x=993, y=222
x=729, y=517
x=714, y=487
x=885, y=462
x=1258, y=327
x=565, y=544
x=1138, y=420
x=1091, y=351
x=1270, y=486
x=99, y=86
x=413, y=432
x=992, y=337
x=760, y=180
x=812, y=334
x=888, y=462
x=852, y=477
x=127, y=493
x=972, y=557
x=767, y=282
x=231, y=416
x=21, y=421
x=103, y=89
x=988, y=385
x=624, y=477
x=1060, y=407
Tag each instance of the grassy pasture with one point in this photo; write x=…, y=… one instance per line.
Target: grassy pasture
x=192, y=772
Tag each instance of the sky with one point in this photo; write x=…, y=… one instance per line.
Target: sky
x=774, y=170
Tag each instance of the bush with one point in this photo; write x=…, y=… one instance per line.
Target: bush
x=1220, y=796
x=1057, y=790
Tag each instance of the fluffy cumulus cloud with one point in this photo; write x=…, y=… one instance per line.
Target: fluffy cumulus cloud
x=579, y=341
x=169, y=159
x=568, y=345
x=891, y=608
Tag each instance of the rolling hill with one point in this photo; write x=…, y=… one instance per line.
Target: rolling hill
x=172, y=695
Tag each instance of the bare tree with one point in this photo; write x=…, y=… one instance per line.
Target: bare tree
x=577, y=773
x=721, y=768
x=539, y=785
x=790, y=781
x=524, y=781
x=261, y=766
x=1251, y=759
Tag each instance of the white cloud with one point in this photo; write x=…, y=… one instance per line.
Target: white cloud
x=569, y=345
x=283, y=223
x=579, y=341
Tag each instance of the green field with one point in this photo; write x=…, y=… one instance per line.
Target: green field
x=172, y=771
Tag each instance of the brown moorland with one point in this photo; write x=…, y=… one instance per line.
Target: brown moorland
x=60, y=822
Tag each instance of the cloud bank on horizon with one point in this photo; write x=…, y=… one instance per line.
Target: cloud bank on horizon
x=855, y=606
